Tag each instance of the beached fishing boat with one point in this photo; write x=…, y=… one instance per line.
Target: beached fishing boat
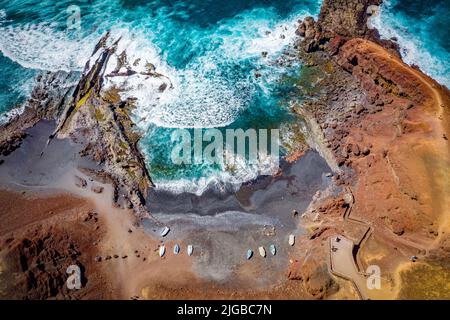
x=262, y=252
x=291, y=240
x=176, y=249
x=272, y=249
x=249, y=254
x=190, y=250
x=162, y=250
x=165, y=231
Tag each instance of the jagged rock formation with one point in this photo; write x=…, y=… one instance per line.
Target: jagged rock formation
x=98, y=119
x=381, y=125
x=40, y=238
x=101, y=121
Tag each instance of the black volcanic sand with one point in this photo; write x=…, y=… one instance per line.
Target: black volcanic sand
x=222, y=227
x=35, y=164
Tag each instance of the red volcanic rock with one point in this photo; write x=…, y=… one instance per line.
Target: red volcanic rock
x=312, y=270
x=347, y=18
x=40, y=239
x=334, y=44
x=380, y=72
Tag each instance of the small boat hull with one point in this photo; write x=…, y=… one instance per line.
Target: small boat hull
x=176, y=249
x=165, y=231
x=291, y=240
x=249, y=254
x=162, y=251
x=272, y=249
x=190, y=250
x=262, y=252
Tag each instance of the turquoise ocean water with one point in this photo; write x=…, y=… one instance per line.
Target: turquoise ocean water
x=211, y=51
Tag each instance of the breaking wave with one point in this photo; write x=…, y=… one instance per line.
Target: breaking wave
x=207, y=70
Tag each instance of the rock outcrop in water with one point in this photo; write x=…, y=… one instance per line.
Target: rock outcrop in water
x=96, y=118
x=101, y=121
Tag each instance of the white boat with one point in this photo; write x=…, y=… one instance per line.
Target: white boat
x=262, y=252
x=272, y=249
x=291, y=240
x=176, y=249
x=162, y=250
x=190, y=250
x=165, y=231
x=249, y=254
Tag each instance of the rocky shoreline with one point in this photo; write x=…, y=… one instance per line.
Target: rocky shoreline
x=382, y=127
x=100, y=122
x=370, y=111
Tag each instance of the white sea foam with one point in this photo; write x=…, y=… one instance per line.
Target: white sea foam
x=224, y=180
x=199, y=95
x=252, y=36
x=9, y=115
x=42, y=47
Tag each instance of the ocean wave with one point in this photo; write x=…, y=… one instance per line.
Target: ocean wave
x=208, y=92
x=223, y=180
x=42, y=47
x=204, y=76
x=9, y=115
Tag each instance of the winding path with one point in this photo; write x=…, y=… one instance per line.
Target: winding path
x=343, y=258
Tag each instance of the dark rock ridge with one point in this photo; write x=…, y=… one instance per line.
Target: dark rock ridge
x=101, y=120
x=346, y=18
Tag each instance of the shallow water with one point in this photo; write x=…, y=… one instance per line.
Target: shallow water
x=267, y=196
